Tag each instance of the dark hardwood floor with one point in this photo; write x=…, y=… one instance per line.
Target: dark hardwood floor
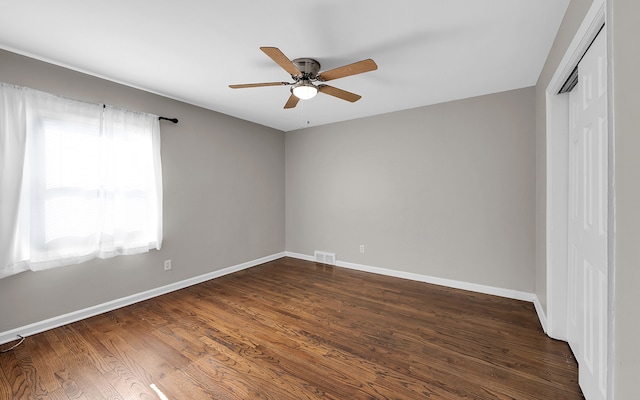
x=291, y=329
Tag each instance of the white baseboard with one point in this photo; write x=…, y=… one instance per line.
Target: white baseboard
x=473, y=287
x=61, y=320
x=299, y=256
x=541, y=314
x=74, y=316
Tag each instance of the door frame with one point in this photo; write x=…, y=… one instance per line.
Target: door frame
x=557, y=170
x=557, y=157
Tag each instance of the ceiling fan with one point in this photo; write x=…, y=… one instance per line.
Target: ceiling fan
x=304, y=72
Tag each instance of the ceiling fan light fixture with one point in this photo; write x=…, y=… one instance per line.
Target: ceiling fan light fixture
x=304, y=90
x=305, y=71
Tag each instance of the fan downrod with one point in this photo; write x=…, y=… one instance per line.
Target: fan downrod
x=308, y=66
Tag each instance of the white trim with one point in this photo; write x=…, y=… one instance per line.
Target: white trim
x=588, y=31
x=541, y=315
x=299, y=256
x=557, y=200
x=557, y=125
x=74, y=316
x=473, y=287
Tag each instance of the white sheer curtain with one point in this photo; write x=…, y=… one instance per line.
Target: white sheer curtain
x=90, y=183
x=12, y=151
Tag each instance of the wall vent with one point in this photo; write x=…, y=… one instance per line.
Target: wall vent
x=325, y=257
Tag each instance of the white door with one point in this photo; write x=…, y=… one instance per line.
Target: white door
x=588, y=173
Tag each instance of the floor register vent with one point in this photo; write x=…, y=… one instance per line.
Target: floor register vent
x=325, y=258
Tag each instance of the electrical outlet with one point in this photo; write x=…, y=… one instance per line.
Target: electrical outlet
x=167, y=265
x=361, y=248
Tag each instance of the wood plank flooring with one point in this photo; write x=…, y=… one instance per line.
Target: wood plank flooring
x=292, y=329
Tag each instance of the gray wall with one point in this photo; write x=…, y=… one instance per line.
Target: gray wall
x=572, y=19
x=223, y=200
x=445, y=190
x=624, y=31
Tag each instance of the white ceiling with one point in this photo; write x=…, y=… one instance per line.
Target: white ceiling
x=427, y=51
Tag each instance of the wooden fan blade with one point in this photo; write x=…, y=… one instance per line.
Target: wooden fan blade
x=292, y=102
x=339, y=93
x=282, y=60
x=348, y=70
x=250, y=85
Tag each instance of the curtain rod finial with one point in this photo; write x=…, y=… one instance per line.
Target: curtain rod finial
x=174, y=120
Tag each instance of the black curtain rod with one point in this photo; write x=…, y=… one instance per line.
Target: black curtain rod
x=174, y=120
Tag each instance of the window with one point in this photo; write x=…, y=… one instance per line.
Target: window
x=89, y=184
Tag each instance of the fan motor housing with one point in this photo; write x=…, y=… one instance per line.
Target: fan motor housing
x=308, y=66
